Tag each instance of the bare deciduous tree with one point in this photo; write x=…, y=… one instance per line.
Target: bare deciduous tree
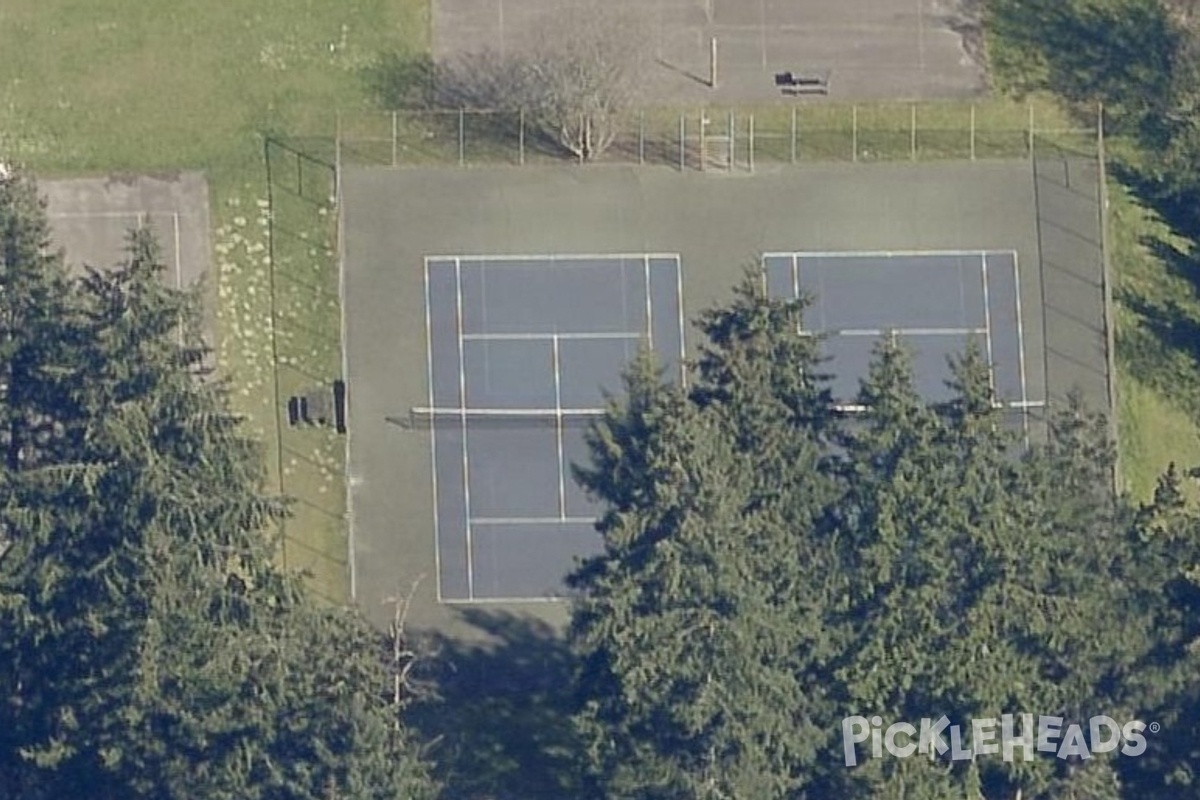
x=575, y=81
x=1184, y=11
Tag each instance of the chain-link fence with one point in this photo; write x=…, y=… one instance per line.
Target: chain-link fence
x=716, y=138
x=306, y=347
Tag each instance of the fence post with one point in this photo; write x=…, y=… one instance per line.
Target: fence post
x=521, y=136
x=704, y=120
x=972, y=131
x=854, y=132
x=395, y=136
x=732, y=152
x=1031, y=130
x=793, y=134
x=913, y=143
x=752, y=143
x=641, y=136
x=462, y=136
x=682, y=142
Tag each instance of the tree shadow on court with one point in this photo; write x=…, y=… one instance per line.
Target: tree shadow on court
x=499, y=726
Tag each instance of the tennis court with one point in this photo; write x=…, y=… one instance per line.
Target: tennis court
x=523, y=353
x=90, y=219
x=936, y=304
x=488, y=310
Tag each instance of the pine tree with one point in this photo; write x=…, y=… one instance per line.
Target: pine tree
x=692, y=624
x=772, y=567
x=34, y=326
x=151, y=647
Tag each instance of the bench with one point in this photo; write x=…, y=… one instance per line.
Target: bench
x=797, y=83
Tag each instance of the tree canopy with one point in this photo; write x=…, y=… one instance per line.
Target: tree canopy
x=774, y=565
x=151, y=648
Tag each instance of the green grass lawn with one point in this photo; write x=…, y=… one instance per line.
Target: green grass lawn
x=1158, y=363
x=100, y=86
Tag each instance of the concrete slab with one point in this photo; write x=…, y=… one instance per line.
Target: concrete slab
x=874, y=49
x=90, y=219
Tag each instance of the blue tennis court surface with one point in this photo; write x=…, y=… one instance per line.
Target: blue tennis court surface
x=524, y=351
x=934, y=303
x=522, y=354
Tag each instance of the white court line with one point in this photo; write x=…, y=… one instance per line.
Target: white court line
x=558, y=433
x=880, y=253
x=898, y=332
x=563, y=520
x=649, y=305
x=682, y=323
x=437, y=543
x=506, y=412
x=1021, y=343
x=548, y=258
x=340, y=232
x=462, y=389
x=484, y=601
x=544, y=337
x=987, y=324
x=854, y=408
x=796, y=290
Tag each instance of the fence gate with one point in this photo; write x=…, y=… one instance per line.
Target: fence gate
x=723, y=141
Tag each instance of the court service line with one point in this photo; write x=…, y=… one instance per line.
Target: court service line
x=563, y=520
x=987, y=324
x=483, y=260
x=462, y=395
x=548, y=413
x=900, y=332
x=437, y=543
x=880, y=253
x=558, y=432
x=545, y=337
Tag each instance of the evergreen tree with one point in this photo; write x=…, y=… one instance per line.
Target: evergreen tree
x=771, y=569
x=151, y=647
x=34, y=326
x=692, y=625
